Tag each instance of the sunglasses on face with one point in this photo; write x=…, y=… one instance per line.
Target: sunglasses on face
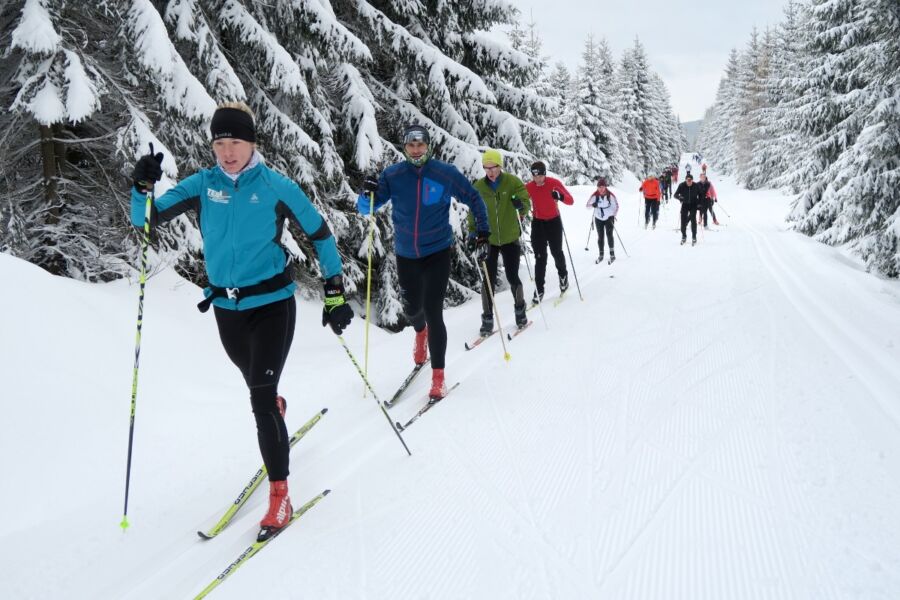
x=414, y=136
x=538, y=173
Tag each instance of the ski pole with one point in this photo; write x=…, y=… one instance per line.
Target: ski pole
x=525, y=253
x=368, y=385
x=591, y=229
x=369, y=281
x=723, y=209
x=145, y=243
x=487, y=282
x=569, y=250
x=616, y=229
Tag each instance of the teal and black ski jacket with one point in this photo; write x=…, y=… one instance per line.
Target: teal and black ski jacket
x=241, y=222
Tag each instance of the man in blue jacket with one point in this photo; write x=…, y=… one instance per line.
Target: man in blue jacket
x=420, y=189
x=242, y=207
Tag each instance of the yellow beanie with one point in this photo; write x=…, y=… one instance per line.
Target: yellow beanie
x=492, y=156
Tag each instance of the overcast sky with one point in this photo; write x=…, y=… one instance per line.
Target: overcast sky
x=687, y=43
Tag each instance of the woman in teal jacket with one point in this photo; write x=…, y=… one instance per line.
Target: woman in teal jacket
x=242, y=207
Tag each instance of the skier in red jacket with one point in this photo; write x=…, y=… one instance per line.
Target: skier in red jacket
x=546, y=226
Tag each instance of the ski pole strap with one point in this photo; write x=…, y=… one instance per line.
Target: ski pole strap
x=273, y=284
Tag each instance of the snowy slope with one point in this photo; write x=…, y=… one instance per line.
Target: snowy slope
x=712, y=422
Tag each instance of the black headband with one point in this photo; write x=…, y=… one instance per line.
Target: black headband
x=232, y=123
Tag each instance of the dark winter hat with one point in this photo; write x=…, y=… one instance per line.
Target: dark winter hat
x=538, y=168
x=416, y=133
x=601, y=181
x=235, y=123
x=688, y=176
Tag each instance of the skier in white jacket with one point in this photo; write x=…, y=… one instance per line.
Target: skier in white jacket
x=605, y=206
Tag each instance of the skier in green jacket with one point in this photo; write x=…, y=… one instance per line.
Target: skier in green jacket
x=507, y=203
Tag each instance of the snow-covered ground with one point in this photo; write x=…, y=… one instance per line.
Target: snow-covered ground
x=711, y=422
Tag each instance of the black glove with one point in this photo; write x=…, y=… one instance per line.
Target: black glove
x=517, y=203
x=556, y=195
x=596, y=200
x=147, y=171
x=336, y=311
x=370, y=184
x=482, y=246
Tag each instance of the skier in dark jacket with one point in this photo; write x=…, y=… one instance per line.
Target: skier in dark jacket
x=420, y=188
x=690, y=196
x=242, y=206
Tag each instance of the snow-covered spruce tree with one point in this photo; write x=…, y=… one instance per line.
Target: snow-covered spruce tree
x=650, y=131
x=777, y=142
x=752, y=72
x=716, y=137
x=587, y=129
x=55, y=207
x=538, y=83
x=859, y=204
x=560, y=89
x=825, y=112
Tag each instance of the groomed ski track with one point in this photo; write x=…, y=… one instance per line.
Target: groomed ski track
x=719, y=421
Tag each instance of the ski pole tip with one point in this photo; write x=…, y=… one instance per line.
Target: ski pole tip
x=506, y=357
x=124, y=524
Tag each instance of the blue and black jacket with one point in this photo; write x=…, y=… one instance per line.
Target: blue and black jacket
x=241, y=222
x=421, y=201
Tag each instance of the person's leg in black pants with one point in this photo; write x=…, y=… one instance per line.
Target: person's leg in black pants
x=608, y=226
x=555, y=239
x=423, y=284
x=487, y=309
x=539, y=240
x=511, y=253
x=257, y=341
x=601, y=239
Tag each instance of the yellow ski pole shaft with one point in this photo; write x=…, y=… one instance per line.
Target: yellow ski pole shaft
x=487, y=282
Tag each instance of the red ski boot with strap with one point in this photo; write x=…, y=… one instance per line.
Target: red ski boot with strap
x=280, y=511
x=420, y=350
x=438, y=387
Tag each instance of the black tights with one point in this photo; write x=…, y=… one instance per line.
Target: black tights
x=689, y=215
x=257, y=341
x=423, y=285
x=607, y=227
x=544, y=233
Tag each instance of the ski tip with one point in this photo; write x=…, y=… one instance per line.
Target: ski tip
x=204, y=536
x=326, y=492
x=398, y=425
x=323, y=411
x=509, y=337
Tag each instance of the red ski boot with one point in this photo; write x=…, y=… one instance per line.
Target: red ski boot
x=438, y=387
x=420, y=350
x=280, y=511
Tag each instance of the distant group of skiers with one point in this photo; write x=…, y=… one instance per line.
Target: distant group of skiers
x=242, y=206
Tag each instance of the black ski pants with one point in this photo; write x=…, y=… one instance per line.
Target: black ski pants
x=689, y=215
x=606, y=227
x=651, y=208
x=257, y=341
x=423, y=286
x=544, y=233
x=510, y=253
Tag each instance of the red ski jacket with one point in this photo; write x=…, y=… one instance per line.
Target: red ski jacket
x=650, y=187
x=542, y=203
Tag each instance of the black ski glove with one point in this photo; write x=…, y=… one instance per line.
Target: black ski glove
x=517, y=203
x=336, y=311
x=482, y=246
x=370, y=184
x=556, y=195
x=147, y=171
